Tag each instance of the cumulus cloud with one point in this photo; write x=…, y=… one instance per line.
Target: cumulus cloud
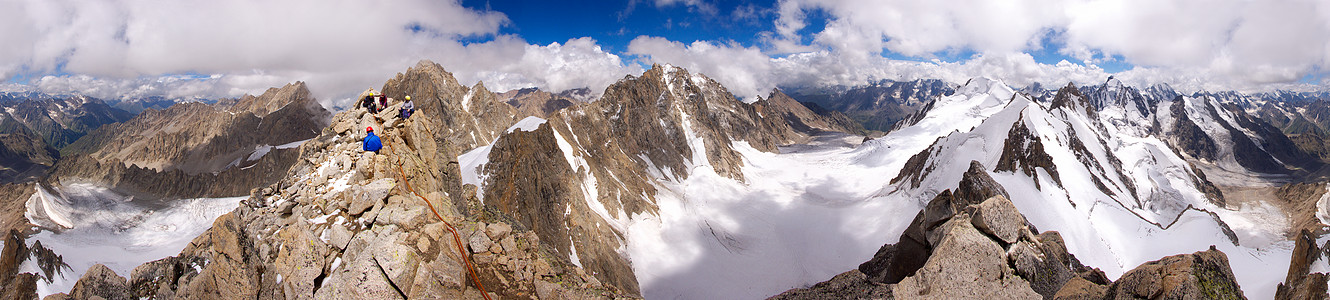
x=743, y=70
x=1254, y=42
x=249, y=45
x=576, y=63
x=747, y=72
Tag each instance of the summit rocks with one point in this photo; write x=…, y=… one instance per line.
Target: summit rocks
x=988, y=250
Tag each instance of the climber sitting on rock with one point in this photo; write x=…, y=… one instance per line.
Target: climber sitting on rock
x=372, y=141
x=368, y=103
x=407, y=109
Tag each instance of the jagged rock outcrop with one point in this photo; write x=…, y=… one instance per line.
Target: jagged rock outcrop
x=17, y=285
x=469, y=117
x=1070, y=97
x=973, y=243
x=894, y=262
x=529, y=181
x=466, y=117
x=1024, y=152
x=98, y=282
x=985, y=250
x=1200, y=275
x=803, y=119
x=196, y=149
x=1301, y=283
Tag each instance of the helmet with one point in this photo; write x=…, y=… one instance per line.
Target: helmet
x=369, y=129
x=408, y=97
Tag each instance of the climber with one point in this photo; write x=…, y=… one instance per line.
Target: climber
x=368, y=103
x=372, y=141
x=383, y=101
x=408, y=108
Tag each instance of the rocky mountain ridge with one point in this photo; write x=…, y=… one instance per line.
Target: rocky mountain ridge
x=877, y=105
x=34, y=128
x=196, y=149
x=533, y=102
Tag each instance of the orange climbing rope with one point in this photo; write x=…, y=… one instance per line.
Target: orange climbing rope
x=465, y=259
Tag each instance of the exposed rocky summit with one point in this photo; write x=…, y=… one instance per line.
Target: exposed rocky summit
x=974, y=244
x=1201, y=275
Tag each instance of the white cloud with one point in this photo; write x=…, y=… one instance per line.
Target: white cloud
x=338, y=48
x=1249, y=42
x=745, y=71
x=509, y=63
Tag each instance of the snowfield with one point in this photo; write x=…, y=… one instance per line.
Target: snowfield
x=817, y=210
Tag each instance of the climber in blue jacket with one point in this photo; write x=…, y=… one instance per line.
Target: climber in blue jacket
x=372, y=141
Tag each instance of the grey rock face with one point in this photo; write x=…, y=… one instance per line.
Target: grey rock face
x=967, y=264
x=1200, y=275
x=999, y=218
x=100, y=281
x=849, y=285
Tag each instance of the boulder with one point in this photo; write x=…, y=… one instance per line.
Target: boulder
x=497, y=231
x=1040, y=265
x=100, y=281
x=1080, y=289
x=369, y=195
x=479, y=242
x=1201, y=275
x=398, y=262
x=339, y=236
x=300, y=260
x=999, y=218
x=966, y=265
x=849, y=285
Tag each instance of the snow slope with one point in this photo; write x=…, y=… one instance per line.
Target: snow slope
x=805, y=216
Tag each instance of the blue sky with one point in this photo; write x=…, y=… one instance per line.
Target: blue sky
x=197, y=48
x=615, y=23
